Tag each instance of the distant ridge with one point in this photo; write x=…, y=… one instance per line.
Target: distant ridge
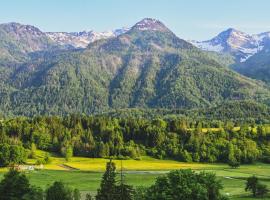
x=241, y=45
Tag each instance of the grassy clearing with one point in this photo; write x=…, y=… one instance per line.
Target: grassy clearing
x=237, y=128
x=87, y=181
x=98, y=164
x=141, y=173
x=146, y=164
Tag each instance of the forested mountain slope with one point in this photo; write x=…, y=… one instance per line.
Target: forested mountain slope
x=146, y=67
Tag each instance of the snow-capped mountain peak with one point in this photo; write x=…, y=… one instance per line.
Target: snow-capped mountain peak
x=150, y=24
x=235, y=42
x=83, y=38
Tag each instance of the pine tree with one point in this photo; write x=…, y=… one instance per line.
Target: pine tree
x=107, y=190
x=124, y=191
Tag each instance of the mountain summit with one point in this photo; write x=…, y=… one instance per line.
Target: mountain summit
x=83, y=39
x=234, y=40
x=150, y=24
x=237, y=43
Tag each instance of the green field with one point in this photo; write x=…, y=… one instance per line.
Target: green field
x=88, y=171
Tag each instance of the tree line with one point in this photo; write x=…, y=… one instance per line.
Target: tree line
x=124, y=138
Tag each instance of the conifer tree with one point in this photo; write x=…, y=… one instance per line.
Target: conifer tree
x=124, y=191
x=107, y=190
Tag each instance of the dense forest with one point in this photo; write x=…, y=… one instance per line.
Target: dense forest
x=237, y=111
x=177, y=138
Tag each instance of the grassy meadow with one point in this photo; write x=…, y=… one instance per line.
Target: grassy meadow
x=85, y=173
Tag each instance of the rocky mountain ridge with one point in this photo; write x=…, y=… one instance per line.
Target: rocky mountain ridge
x=237, y=43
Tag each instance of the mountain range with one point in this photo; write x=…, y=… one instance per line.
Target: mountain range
x=82, y=39
x=250, y=53
x=145, y=66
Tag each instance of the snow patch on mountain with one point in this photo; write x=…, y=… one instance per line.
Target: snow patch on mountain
x=263, y=36
x=235, y=42
x=207, y=46
x=84, y=38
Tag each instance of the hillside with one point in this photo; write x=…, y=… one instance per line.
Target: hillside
x=146, y=67
x=17, y=41
x=257, y=66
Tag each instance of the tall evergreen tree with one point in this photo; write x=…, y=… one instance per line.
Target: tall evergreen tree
x=124, y=191
x=107, y=190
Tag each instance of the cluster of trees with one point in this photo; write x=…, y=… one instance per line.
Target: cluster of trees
x=12, y=154
x=177, y=138
x=185, y=185
x=178, y=184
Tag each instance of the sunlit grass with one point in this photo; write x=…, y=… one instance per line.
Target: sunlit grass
x=140, y=173
x=98, y=164
x=146, y=164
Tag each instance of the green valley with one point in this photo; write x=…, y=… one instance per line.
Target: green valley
x=149, y=111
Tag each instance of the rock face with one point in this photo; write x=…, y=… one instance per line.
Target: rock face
x=150, y=24
x=30, y=38
x=239, y=44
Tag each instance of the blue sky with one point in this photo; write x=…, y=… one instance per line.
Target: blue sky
x=189, y=19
